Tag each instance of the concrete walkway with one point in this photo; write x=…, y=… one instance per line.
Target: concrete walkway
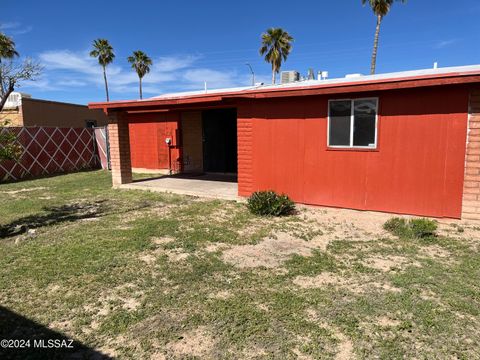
x=206, y=185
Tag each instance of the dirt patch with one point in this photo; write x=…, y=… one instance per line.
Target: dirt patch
x=158, y=356
x=130, y=303
x=148, y=258
x=61, y=325
x=14, y=192
x=163, y=240
x=435, y=252
x=125, y=296
x=195, y=343
x=53, y=288
x=254, y=351
x=323, y=279
x=348, y=224
x=271, y=252
x=176, y=255
x=358, y=285
x=389, y=263
x=385, y=321
x=223, y=214
x=214, y=247
x=345, y=347
x=221, y=295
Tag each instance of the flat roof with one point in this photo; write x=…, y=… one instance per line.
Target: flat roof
x=404, y=79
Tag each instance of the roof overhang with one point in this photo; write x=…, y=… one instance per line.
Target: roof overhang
x=354, y=86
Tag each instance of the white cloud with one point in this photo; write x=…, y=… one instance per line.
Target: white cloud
x=71, y=82
x=76, y=71
x=68, y=60
x=9, y=25
x=15, y=28
x=444, y=43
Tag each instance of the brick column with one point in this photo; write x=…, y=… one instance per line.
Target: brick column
x=471, y=190
x=119, y=139
x=245, y=156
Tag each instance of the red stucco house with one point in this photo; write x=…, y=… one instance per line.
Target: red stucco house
x=404, y=142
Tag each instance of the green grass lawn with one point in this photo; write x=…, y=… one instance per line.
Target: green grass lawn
x=146, y=275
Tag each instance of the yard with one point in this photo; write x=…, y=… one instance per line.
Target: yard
x=133, y=274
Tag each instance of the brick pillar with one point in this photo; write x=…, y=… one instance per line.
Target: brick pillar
x=471, y=190
x=245, y=156
x=119, y=139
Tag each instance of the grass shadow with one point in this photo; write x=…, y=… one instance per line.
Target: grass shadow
x=54, y=215
x=27, y=339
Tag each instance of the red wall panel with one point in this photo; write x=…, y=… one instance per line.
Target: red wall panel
x=148, y=132
x=418, y=167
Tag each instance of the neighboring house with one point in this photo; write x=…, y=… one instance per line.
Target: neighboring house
x=405, y=142
x=22, y=110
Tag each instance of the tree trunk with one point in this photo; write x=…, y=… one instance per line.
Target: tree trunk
x=5, y=96
x=1, y=79
x=273, y=74
x=106, y=83
x=140, y=88
x=375, y=46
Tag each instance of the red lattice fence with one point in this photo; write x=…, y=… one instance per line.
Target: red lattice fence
x=49, y=150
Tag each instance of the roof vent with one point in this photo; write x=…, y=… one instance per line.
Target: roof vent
x=289, y=76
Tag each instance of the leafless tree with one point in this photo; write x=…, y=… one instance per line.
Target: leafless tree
x=12, y=73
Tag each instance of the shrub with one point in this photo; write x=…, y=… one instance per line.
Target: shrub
x=397, y=226
x=268, y=203
x=422, y=228
x=413, y=228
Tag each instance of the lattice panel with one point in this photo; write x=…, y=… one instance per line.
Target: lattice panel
x=49, y=150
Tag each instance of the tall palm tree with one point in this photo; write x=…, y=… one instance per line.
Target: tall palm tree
x=380, y=9
x=276, y=46
x=103, y=51
x=141, y=64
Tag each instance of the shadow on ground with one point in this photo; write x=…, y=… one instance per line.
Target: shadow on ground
x=54, y=215
x=43, y=343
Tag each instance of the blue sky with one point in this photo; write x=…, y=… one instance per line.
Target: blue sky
x=196, y=41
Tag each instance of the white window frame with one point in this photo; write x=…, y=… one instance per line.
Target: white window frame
x=352, y=122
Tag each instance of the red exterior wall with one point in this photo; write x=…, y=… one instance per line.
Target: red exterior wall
x=147, y=140
x=418, y=167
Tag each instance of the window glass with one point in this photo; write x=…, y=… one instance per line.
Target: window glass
x=365, y=113
x=340, y=121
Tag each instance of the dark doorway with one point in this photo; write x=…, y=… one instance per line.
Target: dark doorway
x=220, y=140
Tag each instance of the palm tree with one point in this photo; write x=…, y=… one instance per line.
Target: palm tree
x=103, y=51
x=141, y=64
x=276, y=46
x=7, y=47
x=7, y=51
x=380, y=9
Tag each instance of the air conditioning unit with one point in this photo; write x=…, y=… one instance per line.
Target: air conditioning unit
x=14, y=100
x=289, y=76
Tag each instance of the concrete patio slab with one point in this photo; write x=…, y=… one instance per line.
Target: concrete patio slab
x=206, y=185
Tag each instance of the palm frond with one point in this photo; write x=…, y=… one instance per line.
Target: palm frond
x=140, y=63
x=276, y=45
x=7, y=47
x=103, y=51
